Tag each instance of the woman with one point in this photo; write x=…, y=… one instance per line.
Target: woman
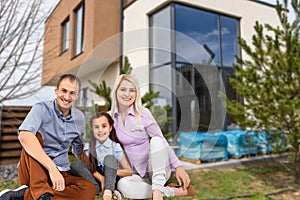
x=145, y=146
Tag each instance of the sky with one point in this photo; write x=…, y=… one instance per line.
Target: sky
x=291, y=14
x=47, y=93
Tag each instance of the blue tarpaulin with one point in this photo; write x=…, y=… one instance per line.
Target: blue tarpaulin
x=273, y=141
x=203, y=146
x=241, y=143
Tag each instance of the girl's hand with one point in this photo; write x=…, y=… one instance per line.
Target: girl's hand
x=100, y=178
x=102, y=182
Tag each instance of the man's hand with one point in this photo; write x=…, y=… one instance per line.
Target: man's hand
x=33, y=147
x=57, y=179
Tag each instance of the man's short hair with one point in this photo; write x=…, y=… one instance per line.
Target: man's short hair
x=71, y=77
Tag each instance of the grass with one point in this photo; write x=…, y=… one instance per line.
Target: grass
x=262, y=180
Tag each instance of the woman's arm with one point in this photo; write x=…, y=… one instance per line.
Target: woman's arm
x=182, y=177
x=126, y=168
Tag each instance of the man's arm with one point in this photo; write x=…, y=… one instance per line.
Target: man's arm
x=32, y=146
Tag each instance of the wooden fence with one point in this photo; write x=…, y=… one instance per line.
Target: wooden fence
x=11, y=118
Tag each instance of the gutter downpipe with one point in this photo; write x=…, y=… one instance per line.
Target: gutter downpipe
x=121, y=35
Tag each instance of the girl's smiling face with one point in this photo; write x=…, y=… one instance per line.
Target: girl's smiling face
x=101, y=129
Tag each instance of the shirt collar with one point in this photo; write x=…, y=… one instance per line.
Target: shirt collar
x=60, y=114
x=130, y=112
x=106, y=144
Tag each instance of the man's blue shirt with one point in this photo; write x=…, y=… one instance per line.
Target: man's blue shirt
x=58, y=132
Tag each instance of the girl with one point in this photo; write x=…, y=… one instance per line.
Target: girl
x=104, y=152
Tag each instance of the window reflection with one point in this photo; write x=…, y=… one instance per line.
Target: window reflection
x=205, y=46
x=229, y=33
x=161, y=37
x=65, y=35
x=202, y=27
x=161, y=81
x=78, y=44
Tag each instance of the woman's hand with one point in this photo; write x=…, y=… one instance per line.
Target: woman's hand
x=182, y=177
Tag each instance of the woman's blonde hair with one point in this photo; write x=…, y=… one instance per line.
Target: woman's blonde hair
x=137, y=105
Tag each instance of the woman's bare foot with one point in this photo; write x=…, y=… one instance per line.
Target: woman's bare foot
x=179, y=191
x=157, y=195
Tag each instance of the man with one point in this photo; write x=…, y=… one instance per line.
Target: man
x=46, y=135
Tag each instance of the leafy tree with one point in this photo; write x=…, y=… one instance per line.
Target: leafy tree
x=103, y=91
x=146, y=99
x=161, y=116
x=21, y=36
x=269, y=81
x=126, y=69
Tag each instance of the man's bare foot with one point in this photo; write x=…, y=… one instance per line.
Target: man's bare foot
x=157, y=195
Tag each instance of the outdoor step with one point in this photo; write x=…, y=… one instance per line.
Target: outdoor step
x=9, y=130
x=9, y=161
x=14, y=114
x=9, y=137
x=11, y=153
x=10, y=145
x=11, y=122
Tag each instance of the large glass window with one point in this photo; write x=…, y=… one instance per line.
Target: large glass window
x=161, y=59
x=229, y=33
x=82, y=101
x=161, y=37
x=194, y=54
x=65, y=35
x=200, y=26
x=79, y=29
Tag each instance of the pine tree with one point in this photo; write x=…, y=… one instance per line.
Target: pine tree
x=269, y=81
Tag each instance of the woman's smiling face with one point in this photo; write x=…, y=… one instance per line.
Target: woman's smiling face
x=126, y=93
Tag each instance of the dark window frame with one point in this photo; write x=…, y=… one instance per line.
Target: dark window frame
x=78, y=38
x=65, y=31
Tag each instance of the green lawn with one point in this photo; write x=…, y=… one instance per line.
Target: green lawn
x=259, y=180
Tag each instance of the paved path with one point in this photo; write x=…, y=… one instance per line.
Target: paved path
x=231, y=162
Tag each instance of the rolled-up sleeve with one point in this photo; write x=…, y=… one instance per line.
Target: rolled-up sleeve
x=77, y=146
x=34, y=119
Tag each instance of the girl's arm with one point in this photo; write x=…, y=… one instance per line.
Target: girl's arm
x=126, y=168
x=100, y=178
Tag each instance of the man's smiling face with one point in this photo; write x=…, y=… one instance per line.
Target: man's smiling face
x=66, y=94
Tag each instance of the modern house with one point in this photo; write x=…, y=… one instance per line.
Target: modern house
x=182, y=48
